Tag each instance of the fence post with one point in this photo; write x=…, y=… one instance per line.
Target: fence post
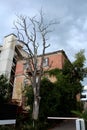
x=80, y=124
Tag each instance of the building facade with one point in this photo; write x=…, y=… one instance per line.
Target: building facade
x=13, y=64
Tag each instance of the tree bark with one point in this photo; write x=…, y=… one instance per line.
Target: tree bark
x=36, y=108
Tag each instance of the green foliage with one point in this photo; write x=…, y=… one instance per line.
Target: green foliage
x=78, y=64
x=79, y=59
x=4, y=89
x=68, y=93
x=67, y=84
x=54, y=72
x=78, y=114
x=50, y=99
x=30, y=97
x=82, y=114
x=7, y=127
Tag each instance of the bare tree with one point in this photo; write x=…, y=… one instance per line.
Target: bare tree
x=34, y=32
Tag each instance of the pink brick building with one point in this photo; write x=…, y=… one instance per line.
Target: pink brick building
x=51, y=61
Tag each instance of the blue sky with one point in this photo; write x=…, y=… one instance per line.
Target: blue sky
x=70, y=35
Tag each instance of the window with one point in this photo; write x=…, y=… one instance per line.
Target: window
x=45, y=62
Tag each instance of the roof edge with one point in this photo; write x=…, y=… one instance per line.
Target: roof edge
x=10, y=35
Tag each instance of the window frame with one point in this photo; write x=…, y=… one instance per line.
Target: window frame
x=45, y=62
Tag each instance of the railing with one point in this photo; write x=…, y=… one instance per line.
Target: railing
x=80, y=123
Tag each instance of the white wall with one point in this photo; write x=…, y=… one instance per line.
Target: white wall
x=7, y=54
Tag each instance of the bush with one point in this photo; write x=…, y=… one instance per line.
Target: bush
x=4, y=89
x=6, y=127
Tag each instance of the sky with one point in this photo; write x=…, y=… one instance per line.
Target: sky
x=69, y=35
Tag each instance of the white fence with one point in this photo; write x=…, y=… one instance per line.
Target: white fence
x=7, y=122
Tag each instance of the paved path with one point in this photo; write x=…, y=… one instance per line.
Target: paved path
x=66, y=125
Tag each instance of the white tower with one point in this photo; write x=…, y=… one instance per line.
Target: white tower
x=7, y=54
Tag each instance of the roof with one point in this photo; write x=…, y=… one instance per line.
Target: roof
x=10, y=35
x=56, y=52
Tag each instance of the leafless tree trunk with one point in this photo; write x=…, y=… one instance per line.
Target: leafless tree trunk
x=33, y=32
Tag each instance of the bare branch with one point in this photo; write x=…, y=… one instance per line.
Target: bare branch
x=18, y=32
x=47, y=46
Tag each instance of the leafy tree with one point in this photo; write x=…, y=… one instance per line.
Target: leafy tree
x=68, y=82
x=4, y=89
x=67, y=91
x=79, y=65
x=79, y=59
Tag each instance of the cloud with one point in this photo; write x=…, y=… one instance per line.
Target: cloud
x=70, y=35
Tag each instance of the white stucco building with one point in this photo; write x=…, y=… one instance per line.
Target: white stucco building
x=7, y=53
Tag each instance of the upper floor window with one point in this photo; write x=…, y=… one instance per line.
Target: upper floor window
x=45, y=62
